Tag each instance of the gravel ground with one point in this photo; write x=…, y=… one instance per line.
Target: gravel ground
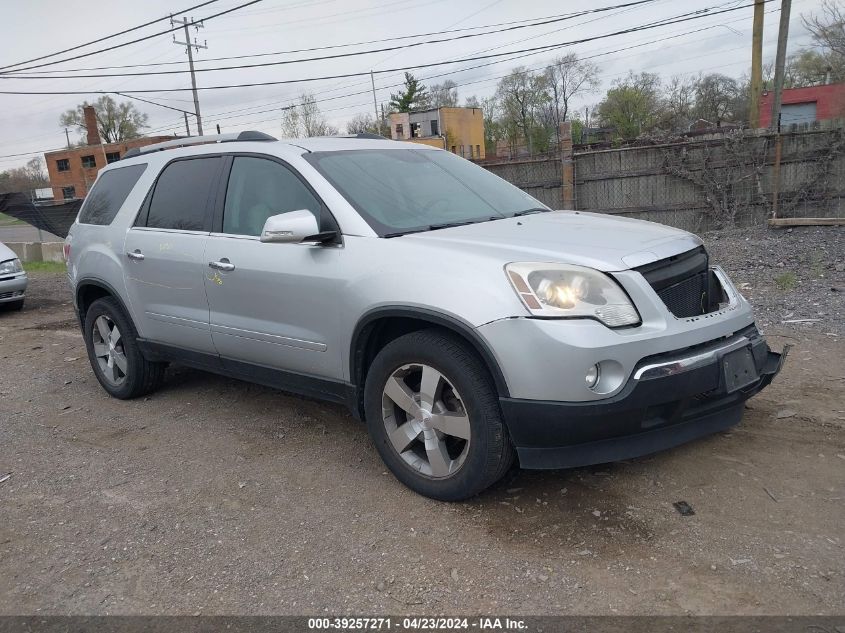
x=788, y=275
x=215, y=496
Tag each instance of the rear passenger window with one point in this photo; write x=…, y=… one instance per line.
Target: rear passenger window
x=181, y=194
x=259, y=188
x=109, y=194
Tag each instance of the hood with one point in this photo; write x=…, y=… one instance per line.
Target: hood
x=6, y=253
x=599, y=241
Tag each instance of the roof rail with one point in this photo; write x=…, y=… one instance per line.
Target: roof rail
x=247, y=135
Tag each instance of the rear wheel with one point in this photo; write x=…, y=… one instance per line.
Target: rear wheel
x=434, y=416
x=114, y=354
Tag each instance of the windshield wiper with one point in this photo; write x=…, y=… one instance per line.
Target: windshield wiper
x=441, y=225
x=529, y=211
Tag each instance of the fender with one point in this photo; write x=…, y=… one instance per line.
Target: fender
x=93, y=281
x=360, y=336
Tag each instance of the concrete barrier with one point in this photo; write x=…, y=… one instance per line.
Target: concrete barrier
x=52, y=252
x=26, y=251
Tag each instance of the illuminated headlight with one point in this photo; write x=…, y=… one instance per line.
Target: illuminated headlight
x=11, y=267
x=567, y=291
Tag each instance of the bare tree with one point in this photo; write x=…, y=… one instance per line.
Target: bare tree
x=116, y=122
x=566, y=78
x=305, y=119
x=443, y=95
x=472, y=102
x=679, y=102
x=362, y=124
x=521, y=96
x=828, y=28
x=717, y=97
x=31, y=176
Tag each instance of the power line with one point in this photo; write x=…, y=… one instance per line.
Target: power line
x=338, y=55
x=666, y=22
x=536, y=22
x=108, y=37
x=135, y=41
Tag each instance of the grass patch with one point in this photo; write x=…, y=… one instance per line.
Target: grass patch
x=45, y=267
x=786, y=281
x=7, y=220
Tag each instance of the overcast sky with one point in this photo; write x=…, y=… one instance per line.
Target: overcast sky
x=30, y=123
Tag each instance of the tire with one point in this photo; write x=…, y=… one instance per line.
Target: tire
x=120, y=368
x=422, y=440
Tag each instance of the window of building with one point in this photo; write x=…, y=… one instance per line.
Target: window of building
x=63, y=164
x=68, y=193
x=478, y=151
x=112, y=157
x=181, y=194
x=454, y=149
x=415, y=130
x=462, y=151
x=88, y=162
x=400, y=130
x=471, y=155
x=259, y=188
x=435, y=129
x=109, y=193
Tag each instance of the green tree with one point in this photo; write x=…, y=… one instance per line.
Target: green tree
x=633, y=105
x=115, y=121
x=413, y=96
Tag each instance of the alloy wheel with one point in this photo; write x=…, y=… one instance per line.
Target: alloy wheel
x=426, y=421
x=108, y=350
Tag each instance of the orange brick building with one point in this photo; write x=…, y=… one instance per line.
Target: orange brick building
x=72, y=171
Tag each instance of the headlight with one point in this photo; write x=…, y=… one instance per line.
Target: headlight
x=10, y=267
x=565, y=291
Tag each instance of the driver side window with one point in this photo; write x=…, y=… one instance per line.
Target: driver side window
x=259, y=188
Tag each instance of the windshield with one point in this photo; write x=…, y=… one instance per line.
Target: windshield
x=400, y=191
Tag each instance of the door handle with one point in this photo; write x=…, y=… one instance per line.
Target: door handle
x=224, y=265
x=136, y=254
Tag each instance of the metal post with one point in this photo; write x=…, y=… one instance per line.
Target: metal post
x=375, y=103
x=189, y=46
x=67, y=136
x=756, y=64
x=187, y=127
x=780, y=61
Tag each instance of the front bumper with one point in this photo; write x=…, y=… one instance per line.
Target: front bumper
x=13, y=288
x=669, y=399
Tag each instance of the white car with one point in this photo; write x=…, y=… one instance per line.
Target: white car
x=13, y=280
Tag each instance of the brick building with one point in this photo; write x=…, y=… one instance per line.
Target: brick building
x=459, y=130
x=72, y=171
x=805, y=105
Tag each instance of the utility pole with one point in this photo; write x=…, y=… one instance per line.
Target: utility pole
x=185, y=22
x=780, y=60
x=67, y=136
x=756, y=64
x=375, y=103
x=187, y=127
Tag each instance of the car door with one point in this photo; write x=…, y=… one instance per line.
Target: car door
x=165, y=267
x=272, y=304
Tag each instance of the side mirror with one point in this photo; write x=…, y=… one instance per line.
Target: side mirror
x=292, y=227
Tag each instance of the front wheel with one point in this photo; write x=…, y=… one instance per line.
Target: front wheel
x=434, y=415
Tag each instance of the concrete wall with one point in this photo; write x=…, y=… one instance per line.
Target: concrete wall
x=38, y=251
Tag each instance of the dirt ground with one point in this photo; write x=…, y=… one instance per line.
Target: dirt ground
x=214, y=496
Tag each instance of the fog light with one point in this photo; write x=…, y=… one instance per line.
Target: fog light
x=592, y=376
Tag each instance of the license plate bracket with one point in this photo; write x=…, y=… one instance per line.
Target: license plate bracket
x=739, y=369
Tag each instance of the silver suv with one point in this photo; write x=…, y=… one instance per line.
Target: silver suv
x=467, y=323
